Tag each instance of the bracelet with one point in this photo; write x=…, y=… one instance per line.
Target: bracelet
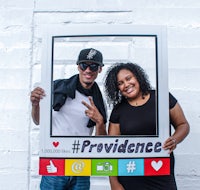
x=174, y=140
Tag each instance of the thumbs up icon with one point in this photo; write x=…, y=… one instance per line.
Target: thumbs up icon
x=51, y=168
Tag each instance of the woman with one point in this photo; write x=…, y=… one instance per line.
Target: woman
x=127, y=88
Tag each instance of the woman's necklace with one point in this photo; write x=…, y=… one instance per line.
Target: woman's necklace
x=139, y=101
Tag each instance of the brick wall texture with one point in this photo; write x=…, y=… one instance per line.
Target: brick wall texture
x=21, y=26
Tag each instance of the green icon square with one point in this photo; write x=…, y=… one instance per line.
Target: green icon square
x=104, y=167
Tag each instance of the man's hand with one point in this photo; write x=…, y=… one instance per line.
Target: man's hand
x=36, y=95
x=92, y=112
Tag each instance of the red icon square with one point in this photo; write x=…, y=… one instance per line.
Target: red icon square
x=52, y=167
x=156, y=166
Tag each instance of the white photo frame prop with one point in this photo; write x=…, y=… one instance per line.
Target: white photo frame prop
x=105, y=155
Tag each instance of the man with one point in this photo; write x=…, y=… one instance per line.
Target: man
x=78, y=108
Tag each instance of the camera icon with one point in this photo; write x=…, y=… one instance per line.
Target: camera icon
x=104, y=167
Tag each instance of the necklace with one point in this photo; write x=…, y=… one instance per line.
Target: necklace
x=139, y=101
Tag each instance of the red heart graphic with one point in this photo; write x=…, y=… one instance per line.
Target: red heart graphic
x=55, y=144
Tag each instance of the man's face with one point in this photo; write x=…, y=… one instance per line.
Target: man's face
x=88, y=72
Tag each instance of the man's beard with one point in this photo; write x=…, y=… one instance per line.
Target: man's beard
x=88, y=83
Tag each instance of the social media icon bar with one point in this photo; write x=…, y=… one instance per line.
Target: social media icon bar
x=105, y=167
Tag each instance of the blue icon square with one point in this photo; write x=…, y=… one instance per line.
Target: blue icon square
x=131, y=167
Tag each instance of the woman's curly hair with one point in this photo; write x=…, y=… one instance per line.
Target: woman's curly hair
x=110, y=84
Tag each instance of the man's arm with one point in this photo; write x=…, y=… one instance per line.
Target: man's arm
x=36, y=114
x=100, y=129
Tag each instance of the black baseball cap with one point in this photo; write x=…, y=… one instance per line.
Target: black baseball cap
x=90, y=55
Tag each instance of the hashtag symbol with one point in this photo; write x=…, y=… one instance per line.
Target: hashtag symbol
x=130, y=167
x=75, y=146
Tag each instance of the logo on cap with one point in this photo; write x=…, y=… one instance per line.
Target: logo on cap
x=91, y=54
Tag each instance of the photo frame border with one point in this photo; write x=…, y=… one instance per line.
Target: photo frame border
x=66, y=144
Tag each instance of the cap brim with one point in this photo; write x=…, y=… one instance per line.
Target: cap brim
x=99, y=63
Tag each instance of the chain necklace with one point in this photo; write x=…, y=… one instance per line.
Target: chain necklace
x=140, y=101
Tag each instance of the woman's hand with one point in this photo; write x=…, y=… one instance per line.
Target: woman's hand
x=170, y=144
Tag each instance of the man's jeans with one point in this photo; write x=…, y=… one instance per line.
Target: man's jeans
x=65, y=183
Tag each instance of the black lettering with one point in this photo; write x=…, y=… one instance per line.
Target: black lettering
x=148, y=149
x=92, y=146
x=122, y=147
x=115, y=146
x=99, y=147
x=130, y=148
x=85, y=144
x=157, y=147
x=108, y=148
x=138, y=146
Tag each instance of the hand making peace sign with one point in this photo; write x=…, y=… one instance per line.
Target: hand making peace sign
x=92, y=112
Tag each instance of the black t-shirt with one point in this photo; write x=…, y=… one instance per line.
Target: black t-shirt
x=141, y=120
x=138, y=120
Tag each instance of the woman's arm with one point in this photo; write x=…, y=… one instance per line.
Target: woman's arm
x=181, y=127
x=114, y=183
x=113, y=129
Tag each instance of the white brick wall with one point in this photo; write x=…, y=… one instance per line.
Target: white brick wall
x=20, y=52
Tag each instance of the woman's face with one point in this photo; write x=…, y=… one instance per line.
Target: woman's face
x=128, y=84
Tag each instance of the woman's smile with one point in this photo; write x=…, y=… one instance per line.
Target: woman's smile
x=129, y=89
x=128, y=84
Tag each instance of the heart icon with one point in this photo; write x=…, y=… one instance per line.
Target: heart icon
x=156, y=165
x=55, y=144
